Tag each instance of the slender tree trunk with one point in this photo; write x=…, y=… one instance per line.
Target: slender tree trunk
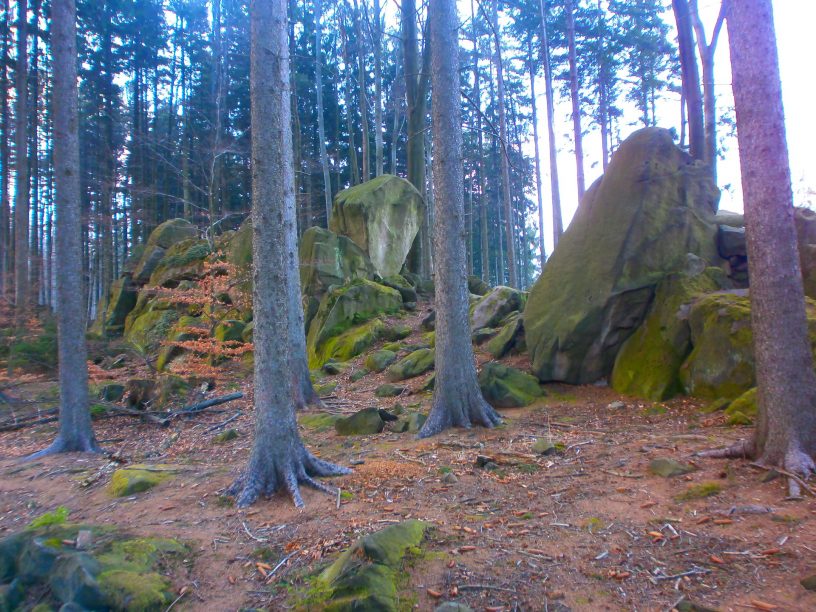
x=378, y=97
x=33, y=157
x=576, y=99
x=321, y=128
x=362, y=88
x=75, y=431
x=706, y=52
x=691, y=79
x=278, y=459
x=509, y=228
x=354, y=179
x=396, y=101
x=785, y=435
x=533, y=102
x=457, y=399
x=555, y=189
x=21, y=195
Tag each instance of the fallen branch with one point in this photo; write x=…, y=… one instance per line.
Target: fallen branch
x=215, y=401
x=222, y=423
x=27, y=423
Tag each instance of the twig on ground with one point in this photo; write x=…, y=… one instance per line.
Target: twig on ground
x=222, y=423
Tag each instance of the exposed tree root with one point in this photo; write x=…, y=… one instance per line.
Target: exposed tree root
x=268, y=472
x=459, y=412
x=61, y=445
x=744, y=449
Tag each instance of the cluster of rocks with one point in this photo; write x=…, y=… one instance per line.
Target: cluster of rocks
x=648, y=288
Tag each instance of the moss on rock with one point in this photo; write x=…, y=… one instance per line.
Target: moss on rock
x=347, y=344
x=379, y=360
x=507, y=387
x=327, y=259
x=490, y=310
x=150, y=329
x=415, y=363
x=364, y=422
x=138, y=478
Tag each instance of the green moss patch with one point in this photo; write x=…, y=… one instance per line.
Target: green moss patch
x=138, y=478
x=319, y=421
x=700, y=491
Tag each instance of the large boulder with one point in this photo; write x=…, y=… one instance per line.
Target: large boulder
x=506, y=387
x=489, y=310
x=382, y=217
x=806, y=235
x=182, y=261
x=121, y=300
x=414, y=364
x=635, y=225
x=648, y=363
x=341, y=309
x=327, y=259
x=721, y=364
x=162, y=238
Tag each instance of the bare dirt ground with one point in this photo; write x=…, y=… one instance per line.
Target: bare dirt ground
x=589, y=528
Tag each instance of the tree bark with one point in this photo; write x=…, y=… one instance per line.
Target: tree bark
x=362, y=88
x=542, y=255
x=278, y=459
x=75, y=430
x=21, y=190
x=785, y=435
x=6, y=249
x=690, y=78
x=576, y=100
x=354, y=168
x=457, y=399
x=555, y=189
x=378, y=102
x=321, y=128
x=509, y=227
x=706, y=52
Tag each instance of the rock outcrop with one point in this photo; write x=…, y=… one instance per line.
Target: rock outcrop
x=635, y=225
x=382, y=216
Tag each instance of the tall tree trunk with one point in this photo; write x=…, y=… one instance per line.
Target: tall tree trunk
x=363, y=89
x=542, y=249
x=33, y=157
x=21, y=190
x=509, y=227
x=75, y=431
x=555, y=189
x=278, y=459
x=396, y=100
x=354, y=168
x=706, y=51
x=576, y=99
x=378, y=96
x=457, y=399
x=416, y=92
x=691, y=79
x=321, y=128
x=6, y=247
x=785, y=435
x=216, y=112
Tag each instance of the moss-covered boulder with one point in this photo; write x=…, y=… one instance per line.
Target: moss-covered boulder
x=121, y=300
x=342, y=308
x=744, y=409
x=415, y=363
x=45, y=567
x=635, y=225
x=327, y=259
x=182, y=261
x=476, y=286
x=721, y=364
x=150, y=329
x=229, y=330
x=382, y=216
x=510, y=337
x=160, y=240
x=186, y=329
x=379, y=360
x=389, y=390
x=138, y=478
x=365, y=577
x=406, y=290
x=668, y=468
x=365, y=422
x=506, y=387
x=495, y=306
x=648, y=363
x=348, y=344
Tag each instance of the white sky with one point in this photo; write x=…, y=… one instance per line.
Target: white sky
x=794, y=21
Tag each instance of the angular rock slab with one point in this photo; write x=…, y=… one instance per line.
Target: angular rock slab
x=637, y=223
x=382, y=216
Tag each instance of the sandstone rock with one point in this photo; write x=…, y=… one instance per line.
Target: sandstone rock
x=365, y=422
x=379, y=360
x=413, y=364
x=635, y=225
x=510, y=337
x=507, y=387
x=493, y=307
x=382, y=216
x=327, y=259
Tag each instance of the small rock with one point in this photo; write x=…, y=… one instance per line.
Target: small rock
x=668, y=468
x=616, y=405
x=365, y=422
x=332, y=367
x=358, y=375
x=545, y=447
x=809, y=583
x=226, y=436
x=388, y=390
x=450, y=478
x=84, y=539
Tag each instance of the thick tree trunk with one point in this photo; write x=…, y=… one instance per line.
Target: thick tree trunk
x=457, y=399
x=691, y=79
x=278, y=458
x=786, y=383
x=484, y=246
x=576, y=99
x=21, y=189
x=555, y=189
x=542, y=250
x=321, y=128
x=509, y=227
x=75, y=431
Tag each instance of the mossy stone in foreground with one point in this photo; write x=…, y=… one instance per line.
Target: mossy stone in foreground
x=319, y=421
x=379, y=360
x=413, y=364
x=365, y=422
x=507, y=387
x=138, y=478
x=511, y=336
x=364, y=577
x=669, y=467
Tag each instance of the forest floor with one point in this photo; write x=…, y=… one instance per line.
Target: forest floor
x=589, y=528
